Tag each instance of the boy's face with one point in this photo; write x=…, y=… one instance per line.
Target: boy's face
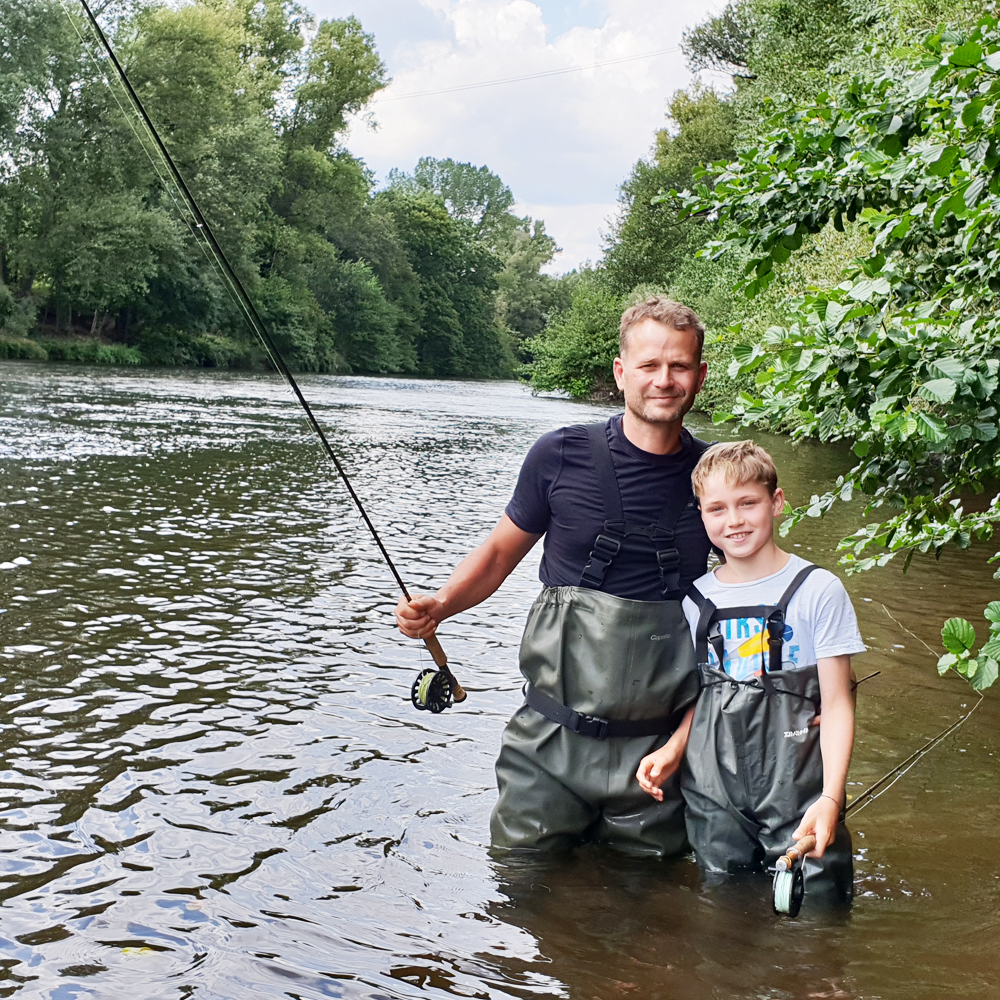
x=739, y=519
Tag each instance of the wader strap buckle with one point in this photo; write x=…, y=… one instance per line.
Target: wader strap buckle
x=669, y=561
x=606, y=547
x=775, y=639
x=593, y=725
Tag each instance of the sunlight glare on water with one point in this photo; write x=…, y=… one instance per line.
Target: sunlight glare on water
x=214, y=784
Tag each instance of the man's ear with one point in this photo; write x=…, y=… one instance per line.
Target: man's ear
x=702, y=375
x=619, y=369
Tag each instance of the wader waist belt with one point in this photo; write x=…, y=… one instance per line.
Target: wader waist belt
x=595, y=726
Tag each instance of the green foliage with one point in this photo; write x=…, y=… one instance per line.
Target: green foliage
x=650, y=242
x=958, y=637
x=528, y=300
x=252, y=99
x=19, y=348
x=577, y=350
x=91, y=351
x=455, y=331
x=901, y=356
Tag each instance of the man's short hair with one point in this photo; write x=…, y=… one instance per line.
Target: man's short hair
x=665, y=311
x=741, y=462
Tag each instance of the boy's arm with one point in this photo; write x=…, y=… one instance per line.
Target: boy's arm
x=836, y=740
x=655, y=768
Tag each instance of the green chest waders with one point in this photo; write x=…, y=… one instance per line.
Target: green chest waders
x=753, y=763
x=608, y=681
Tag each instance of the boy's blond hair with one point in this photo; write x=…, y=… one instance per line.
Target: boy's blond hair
x=740, y=462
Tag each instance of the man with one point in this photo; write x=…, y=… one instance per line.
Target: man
x=606, y=650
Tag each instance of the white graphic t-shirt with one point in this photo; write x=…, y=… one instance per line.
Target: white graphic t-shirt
x=820, y=620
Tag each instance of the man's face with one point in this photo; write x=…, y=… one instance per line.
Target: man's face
x=661, y=372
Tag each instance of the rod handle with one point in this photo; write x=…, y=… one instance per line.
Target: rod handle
x=439, y=657
x=798, y=850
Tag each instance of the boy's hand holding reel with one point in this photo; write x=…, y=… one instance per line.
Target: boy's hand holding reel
x=789, y=886
x=817, y=830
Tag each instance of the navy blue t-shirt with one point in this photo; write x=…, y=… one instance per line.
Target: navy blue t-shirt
x=557, y=493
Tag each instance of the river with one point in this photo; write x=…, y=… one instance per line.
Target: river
x=214, y=785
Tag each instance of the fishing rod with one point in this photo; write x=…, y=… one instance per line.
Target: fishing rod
x=433, y=690
x=876, y=788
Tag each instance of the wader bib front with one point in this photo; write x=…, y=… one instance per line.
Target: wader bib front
x=753, y=763
x=608, y=681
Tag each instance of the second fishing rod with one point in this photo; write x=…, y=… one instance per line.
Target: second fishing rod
x=433, y=690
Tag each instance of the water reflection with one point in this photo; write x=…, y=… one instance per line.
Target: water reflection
x=212, y=782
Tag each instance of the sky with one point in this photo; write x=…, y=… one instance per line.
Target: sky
x=563, y=143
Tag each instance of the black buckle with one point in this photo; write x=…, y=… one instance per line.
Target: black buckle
x=606, y=546
x=591, y=725
x=668, y=559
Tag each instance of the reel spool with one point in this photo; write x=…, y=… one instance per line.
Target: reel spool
x=432, y=691
x=789, y=886
x=788, y=891
x=436, y=690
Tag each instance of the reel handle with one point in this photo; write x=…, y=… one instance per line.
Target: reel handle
x=797, y=851
x=439, y=657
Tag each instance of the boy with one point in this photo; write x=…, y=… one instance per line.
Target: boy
x=774, y=637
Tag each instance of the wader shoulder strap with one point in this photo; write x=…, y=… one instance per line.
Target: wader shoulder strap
x=593, y=725
x=706, y=619
x=600, y=449
x=776, y=634
x=608, y=543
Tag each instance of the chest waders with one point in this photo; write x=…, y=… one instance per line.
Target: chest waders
x=753, y=763
x=608, y=681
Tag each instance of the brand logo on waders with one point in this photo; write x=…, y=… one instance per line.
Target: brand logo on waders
x=796, y=732
x=656, y=638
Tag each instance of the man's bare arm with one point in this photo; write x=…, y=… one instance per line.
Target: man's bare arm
x=475, y=578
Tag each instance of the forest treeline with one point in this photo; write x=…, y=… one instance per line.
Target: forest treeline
x=433, y=275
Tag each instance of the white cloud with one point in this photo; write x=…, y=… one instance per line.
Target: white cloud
x=563, y=143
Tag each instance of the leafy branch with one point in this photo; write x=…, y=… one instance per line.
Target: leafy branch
x=902, y=358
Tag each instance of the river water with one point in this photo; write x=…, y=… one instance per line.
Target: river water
x=214, y=785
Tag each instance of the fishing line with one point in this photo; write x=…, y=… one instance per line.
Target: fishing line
x=445, y=687
x=872, y=792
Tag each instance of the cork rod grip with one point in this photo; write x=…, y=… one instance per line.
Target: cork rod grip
x=439, y=657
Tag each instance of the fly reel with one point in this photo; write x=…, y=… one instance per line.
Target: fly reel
x=432, y=691
x=789, y=886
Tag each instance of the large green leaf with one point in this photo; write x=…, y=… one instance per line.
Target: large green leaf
x=968, y=54
x=948, y=368
x=986, y=675
x=991, y=649
x=940, y=390
x=958, y=636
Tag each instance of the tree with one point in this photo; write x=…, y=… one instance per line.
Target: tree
x=457, y=333
x=901, y=358
x=577, y=350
